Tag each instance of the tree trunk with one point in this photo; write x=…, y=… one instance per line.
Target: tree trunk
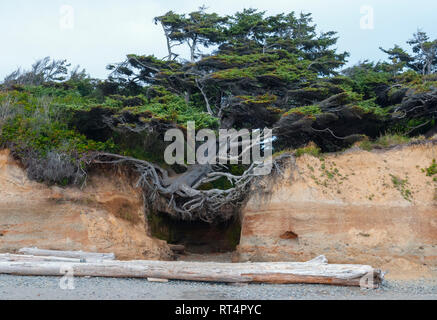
x=315, y=271
x=194, y=173
x=89, y=256
x=167, y=37
x=19, y=257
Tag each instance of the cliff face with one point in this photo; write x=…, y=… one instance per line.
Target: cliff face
x=106, y=216
x=376, y=208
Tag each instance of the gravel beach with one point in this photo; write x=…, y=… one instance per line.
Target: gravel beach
x=48, y=288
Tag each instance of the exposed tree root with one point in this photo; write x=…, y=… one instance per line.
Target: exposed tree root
x=182, y=194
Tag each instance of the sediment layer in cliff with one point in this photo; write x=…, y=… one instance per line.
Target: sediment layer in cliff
x=377, y=208
x=107, y=215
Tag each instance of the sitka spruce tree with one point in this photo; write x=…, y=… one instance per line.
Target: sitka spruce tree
x=257, y=67
x=248, y=70
x=424, y=57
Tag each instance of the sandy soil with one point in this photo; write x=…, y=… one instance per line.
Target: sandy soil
x=106, y=216
x=377, y=208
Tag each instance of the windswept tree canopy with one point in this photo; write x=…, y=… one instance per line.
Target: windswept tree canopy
x=197, y=29
x=42, y=71
x=423, y=59
x=257, y=65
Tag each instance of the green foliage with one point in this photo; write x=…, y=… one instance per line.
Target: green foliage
x=392, y=139
x=402, y=186
x=28, y=133
x=43, y=116
x=423, y=59
x=384, y=141
x=43, y=71
x=196, y=28
x=266, y=98
x=370, y=106
x=229, y=61
x=38, y=125
x=306, y=110
x=432, y=169
x=311, y=149
x=421, y=83
x=365, y=77
x=293, y=71
x=173, y=108
x=407, y=126
x=256, y=55
x=164, y=106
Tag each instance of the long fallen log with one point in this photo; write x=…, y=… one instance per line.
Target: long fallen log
x=315, y=271
x=89, y=256
x=19, y=257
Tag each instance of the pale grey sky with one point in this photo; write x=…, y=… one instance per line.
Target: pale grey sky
x=104, y=31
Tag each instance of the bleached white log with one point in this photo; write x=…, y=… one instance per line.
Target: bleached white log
x=317, y=271
x=20, y=257
x=68, y=254
x=319, y=259
x=157, y=280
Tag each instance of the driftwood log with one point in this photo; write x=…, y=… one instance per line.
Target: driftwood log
x=316, y=271
x=88, y=256
x=177, y=248
x=20, y=258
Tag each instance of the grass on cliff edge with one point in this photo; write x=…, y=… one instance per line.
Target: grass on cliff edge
x=388, y=140
x=384, y=141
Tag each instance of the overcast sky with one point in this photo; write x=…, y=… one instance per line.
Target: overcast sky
x=104, y=31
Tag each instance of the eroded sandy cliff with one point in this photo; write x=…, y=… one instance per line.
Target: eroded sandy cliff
x=106, y=216
x=376, y=208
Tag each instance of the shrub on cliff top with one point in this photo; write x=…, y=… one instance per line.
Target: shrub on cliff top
x=311, y=149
